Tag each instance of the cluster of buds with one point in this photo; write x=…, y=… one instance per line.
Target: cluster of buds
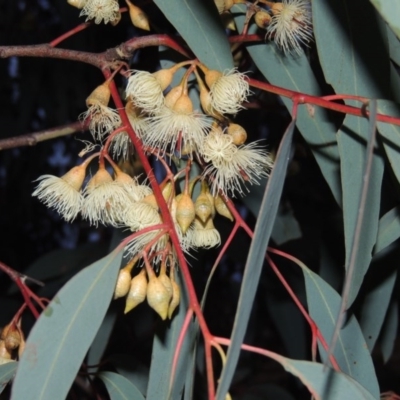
x=12, y=342
x=287, y=23
x=169, y=128
x=162, y=292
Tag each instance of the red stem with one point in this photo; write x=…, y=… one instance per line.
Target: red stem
x=194, y=303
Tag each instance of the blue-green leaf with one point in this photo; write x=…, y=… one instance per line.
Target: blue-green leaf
x=356, y=60
x=388, y=229
x=200, y=25
x=325, y=383
x=164, y=347
x=59, y=340
x=376, y=303
x=351, y=352
x=313, y=122
x=389, y=331
x=390, y=134
x=255, y=260
x=7, y=371
x=390, y=11
x=361, y=184
x=120, y=388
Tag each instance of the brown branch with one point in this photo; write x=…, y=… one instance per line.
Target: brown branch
x=31, y=139
x=99, y=60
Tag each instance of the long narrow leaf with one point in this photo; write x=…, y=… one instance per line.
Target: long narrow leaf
x=62, y=335
x=120, y=388
x=255, y=260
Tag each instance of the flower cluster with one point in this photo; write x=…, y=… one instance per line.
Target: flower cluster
x=168, y=127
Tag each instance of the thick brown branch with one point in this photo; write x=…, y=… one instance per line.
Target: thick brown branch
x=44, y=50
x=31, y=139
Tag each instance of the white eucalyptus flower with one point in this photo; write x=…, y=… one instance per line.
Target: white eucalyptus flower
x=145, y=91
x=107, y=10
x=291, y=25
x=204, y=234
x=249, y=164
x=218, y=147
x=176, y=130
x=62, y=194
x=102, y=120
x=227, y=91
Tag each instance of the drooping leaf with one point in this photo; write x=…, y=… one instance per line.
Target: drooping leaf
x=374, y=308
x=164, y=347
x=325, y=383
x=389, y=331
x=355, y=62
x=314, y=123
x=388, y=229
x=7, y=372
x=120, y=388
x=362, y=173
x=350, y=352
x=390, y=11
x=200, y=26
x=59, y=340
x=132, y=369
x=263, y=229
x=390, y=134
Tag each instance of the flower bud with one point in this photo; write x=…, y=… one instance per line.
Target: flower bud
x=203, y=207
x=176, y=297
x=137, y=291
x=185, y=211
x=164, y=77
x=158, y=297
x=123, y=283
x=99, y=96
x=75, y=176
x=238, y=134
x=183, y=105
x=116, y=20
x=222, y=208
x=211, y=76
x=262, y=19
x=102, y=176
x=79, y=4
x=21, y=347
x=173, y=95
x=163, y=278
x=138, y=17
x=12, y=335
x=4, y=353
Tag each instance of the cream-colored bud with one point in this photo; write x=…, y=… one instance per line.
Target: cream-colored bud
x=211, y=76
x=173, y=95
x=102, y=176
x=116, y=20
x=185, y=211
x=21, y=347
x=4, y=353
x=164, y=77
x=138, y=17
x=123, y=283
x=239, y=135
x=150, y=200
x=222, y=208
x=99, y=96
x=223, y=5
x=203, y=207
x=228, y=21
x=262, y=19
x=176, y=297
x=12, y=335
x=183, y=105
x=158, y=297
x=137, y=291
x=163, y=278
x=75, y=176
x=79, y=4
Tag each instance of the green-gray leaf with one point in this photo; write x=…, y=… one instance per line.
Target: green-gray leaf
x=59, y=340
x=255, y=260
x=120, y=388
x=200, y=26
x=351, y=351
